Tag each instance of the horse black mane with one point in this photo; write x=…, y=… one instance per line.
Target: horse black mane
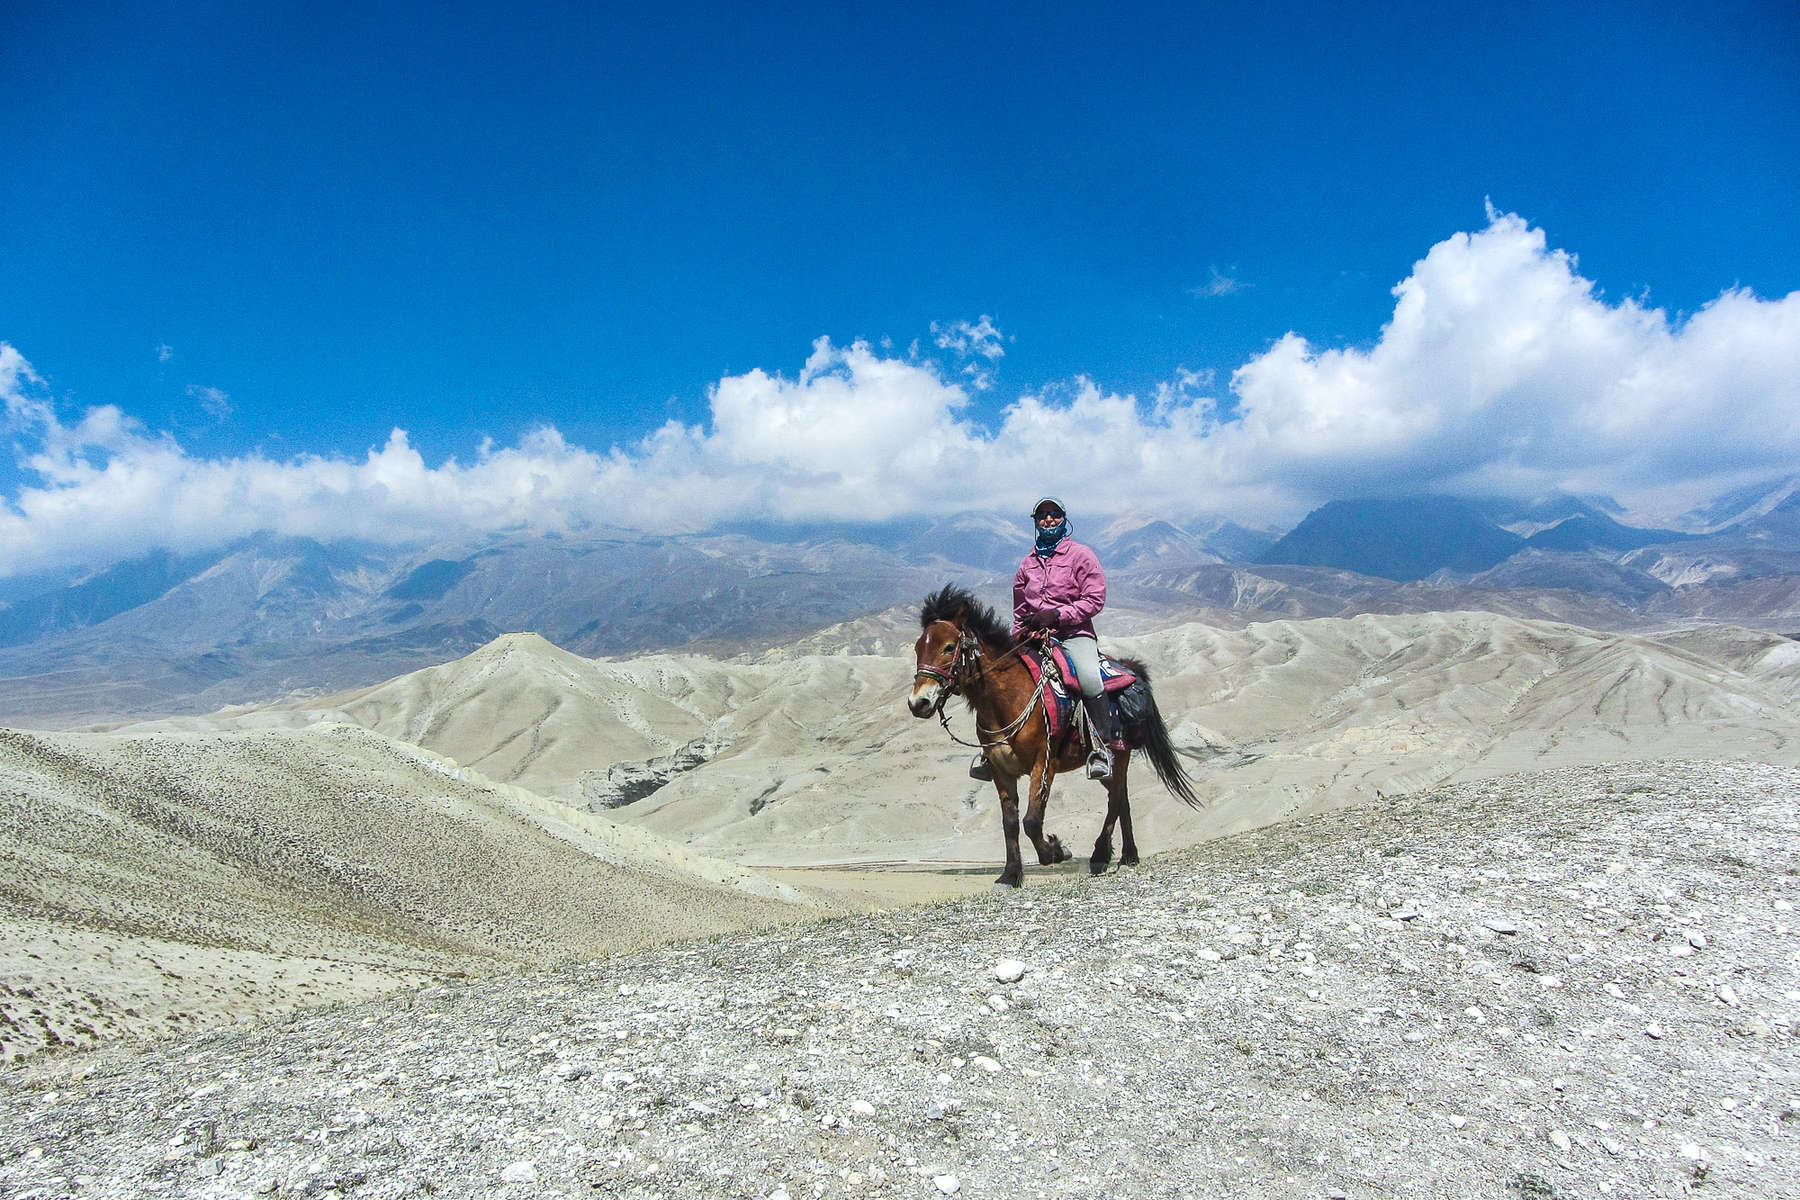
x=950, y=602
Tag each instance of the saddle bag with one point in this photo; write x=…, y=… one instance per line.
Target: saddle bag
x=1135, y=704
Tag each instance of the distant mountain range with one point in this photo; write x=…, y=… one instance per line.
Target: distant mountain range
x=270, y=616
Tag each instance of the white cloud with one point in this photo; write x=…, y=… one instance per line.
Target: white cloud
x=1501, y=368
x=215, y=402
x=1219, y=284
x=976, y=344
x=164, y=352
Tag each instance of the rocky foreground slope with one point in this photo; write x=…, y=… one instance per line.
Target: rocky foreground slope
x=1581, y=982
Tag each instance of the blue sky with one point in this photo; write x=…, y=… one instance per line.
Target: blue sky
x=272, y=234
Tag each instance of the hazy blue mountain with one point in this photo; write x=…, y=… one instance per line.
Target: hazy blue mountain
x=1596, y=531
x=1402, y=539
x=270, y=615
x=119, y=588
x=1741, y=506
x=1530, y=516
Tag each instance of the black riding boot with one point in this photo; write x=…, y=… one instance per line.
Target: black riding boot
x=1100, y=733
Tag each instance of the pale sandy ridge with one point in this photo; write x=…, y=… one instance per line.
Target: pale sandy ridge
x=162, y=882
x=816, y=760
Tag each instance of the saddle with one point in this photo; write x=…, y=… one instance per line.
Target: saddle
x=1062, y=693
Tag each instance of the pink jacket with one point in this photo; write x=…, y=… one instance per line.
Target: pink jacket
x=1069, y=581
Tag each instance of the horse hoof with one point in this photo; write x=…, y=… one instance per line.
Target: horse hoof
x=1002, y=887
x=1097, y=866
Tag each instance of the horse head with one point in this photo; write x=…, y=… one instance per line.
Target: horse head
x=936, y=662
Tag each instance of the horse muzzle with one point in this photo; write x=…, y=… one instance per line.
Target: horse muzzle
x=924, y=699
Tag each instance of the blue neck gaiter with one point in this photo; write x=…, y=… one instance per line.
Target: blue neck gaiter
x=1047, y=539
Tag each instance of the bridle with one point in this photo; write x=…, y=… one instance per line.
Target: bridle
x=950, y=683
x=965, y=665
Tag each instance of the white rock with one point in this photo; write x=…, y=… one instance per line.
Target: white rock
x=948, y=1184
x=1653, y=1030
x=1693, y=1152
x=1681, y=951
x=779, y=1193
x=1458, y=1121
x=520, y=1172
x=862, y=1108
x=1560, y=1140
x=1007, y=970
x=1697, y=940
x=1208, y=954
x=998, y=1003
x=1501, y=925
x=986, y=1064
x=1727, y=994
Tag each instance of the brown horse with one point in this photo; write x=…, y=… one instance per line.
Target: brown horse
x=964, y=650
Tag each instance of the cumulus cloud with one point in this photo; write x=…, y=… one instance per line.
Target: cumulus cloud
x=1501, y=369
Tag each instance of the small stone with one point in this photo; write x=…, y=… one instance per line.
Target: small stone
x=1007, y=970
x=947, y=1184
x=1415, y=1036
x=1458, y=1121
x=986, y=1064
x=998, y=1003
x=1697, y=940
x=862, y=1108
x=780, y=1193
x=934, y=1111
x=1208, y=954
x=520, y=1172
x=1727, y=994
x=1613, y=990
x=570, y=1071
x=1653, y=1030
x=1681, y=952
x=1693, y=1152
x=1560, y=1140
x=1501, y=925
x=1405, y=914
x=1613, y=1146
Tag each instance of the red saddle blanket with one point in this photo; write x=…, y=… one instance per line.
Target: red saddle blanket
x=1061, y=691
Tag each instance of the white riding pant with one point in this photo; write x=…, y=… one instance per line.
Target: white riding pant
x=1084, y=656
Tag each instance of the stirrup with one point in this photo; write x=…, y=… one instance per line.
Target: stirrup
x=1099, y=764
x=981, y=768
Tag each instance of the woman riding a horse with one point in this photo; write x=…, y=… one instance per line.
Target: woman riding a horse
x=965, y=651
x=1059, y=589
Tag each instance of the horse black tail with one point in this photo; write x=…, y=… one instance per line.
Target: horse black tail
x=1154, y=735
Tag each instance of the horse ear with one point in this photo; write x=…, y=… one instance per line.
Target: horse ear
x=961, y=617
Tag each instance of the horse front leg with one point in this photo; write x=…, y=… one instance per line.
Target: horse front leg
x=1049, y=847
x=1014, y=873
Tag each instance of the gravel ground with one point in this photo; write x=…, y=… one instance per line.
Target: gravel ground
x=1580, y=982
